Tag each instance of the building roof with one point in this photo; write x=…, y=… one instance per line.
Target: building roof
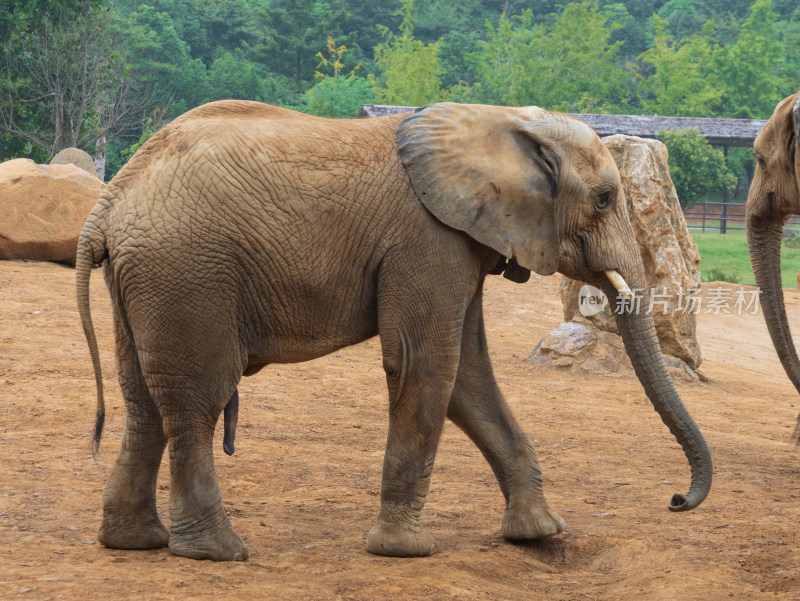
x=719, y=132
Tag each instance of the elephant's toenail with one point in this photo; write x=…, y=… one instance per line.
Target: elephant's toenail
x=237, y=557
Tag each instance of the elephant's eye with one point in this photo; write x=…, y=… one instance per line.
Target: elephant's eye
x=761, y=162
x=603, y=200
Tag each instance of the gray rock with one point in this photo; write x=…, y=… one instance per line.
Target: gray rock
x=75, y=156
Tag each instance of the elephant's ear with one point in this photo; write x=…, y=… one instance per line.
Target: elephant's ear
x=796, y=119
x=489, y=171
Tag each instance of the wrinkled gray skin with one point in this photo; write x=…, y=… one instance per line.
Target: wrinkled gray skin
x=774, y=196
x=242, y=235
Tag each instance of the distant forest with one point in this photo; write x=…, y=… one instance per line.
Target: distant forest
x=104, y=75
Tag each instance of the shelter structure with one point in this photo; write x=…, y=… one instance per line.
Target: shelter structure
x=719, y=132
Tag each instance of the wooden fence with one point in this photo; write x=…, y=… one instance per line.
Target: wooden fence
x=725, y=217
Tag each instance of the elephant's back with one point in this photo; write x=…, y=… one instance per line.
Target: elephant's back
x=241, y=179
x=232, y=127
x=248, y=143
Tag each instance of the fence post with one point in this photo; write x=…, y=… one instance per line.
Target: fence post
x=704, y=218
x=723, y=223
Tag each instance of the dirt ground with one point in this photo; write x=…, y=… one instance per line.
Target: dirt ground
x=302, y=488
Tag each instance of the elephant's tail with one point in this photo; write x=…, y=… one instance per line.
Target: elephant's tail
x=91, y=252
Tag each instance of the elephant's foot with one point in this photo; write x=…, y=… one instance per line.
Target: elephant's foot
x=400, y=540
x=117, y=533
x=535, y=521
x=218, y=543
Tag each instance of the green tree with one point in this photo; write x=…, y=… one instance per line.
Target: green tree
x=17, y=17
x=435, y=19
x=233, y=76
x=570, y=65
x=293, y=27
x=695, y=166
x=337, y=95
x=454, y=53
x=579, y=63
x=789, y=68
x=161, y=63
x=155, y=121
x=359, y=28
x=501, y=65
x=229, y=24
x=340, y=97
x=70, y=84
x=683, y=80
x=683, y=18
x=641, y=10
x=29, y=29
x=625, y=29
x=185, y=17
x=750, y=69
x=410, y=69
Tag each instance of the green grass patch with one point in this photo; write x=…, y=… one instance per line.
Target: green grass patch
x=724, y=257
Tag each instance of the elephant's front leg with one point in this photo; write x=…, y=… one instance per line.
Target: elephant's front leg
x=478, y=408
x=421, y=365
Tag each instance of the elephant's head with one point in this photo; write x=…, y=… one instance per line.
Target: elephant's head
x=543, y=190
x=774, y=196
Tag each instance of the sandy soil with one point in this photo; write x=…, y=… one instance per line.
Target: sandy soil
x=302, y=487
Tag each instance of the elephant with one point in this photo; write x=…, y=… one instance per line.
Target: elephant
x=774, y=195
x=243, y=234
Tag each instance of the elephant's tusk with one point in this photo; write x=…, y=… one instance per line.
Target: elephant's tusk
x=619, y=283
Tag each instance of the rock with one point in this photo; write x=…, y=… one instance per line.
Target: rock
x=43, y=209
x=75, y=156
x=582, y=347
x=568, y=340
x=670, y=256
x=591, y=364
x=609, y=364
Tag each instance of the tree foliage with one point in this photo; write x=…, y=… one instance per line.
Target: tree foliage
x=716, y=58
x=410, y=70
x=683, y=80
x=71, y=84
x=337, y=95
x=570, y=65
x=695, y=166
x=750, y=68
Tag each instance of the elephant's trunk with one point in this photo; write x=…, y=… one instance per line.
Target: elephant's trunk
x=764, y=240
x=641, y=343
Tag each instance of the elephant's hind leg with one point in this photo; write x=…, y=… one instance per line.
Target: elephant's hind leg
x=478, y=408
x=130, y=518
x=192, y=369
x=200, y=527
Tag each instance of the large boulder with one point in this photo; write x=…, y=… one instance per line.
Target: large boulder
x=43, y=209
x=75, y=156
x=670, y=256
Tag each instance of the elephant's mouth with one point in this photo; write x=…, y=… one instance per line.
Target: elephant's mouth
x=576, y=264
x=574, y=261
